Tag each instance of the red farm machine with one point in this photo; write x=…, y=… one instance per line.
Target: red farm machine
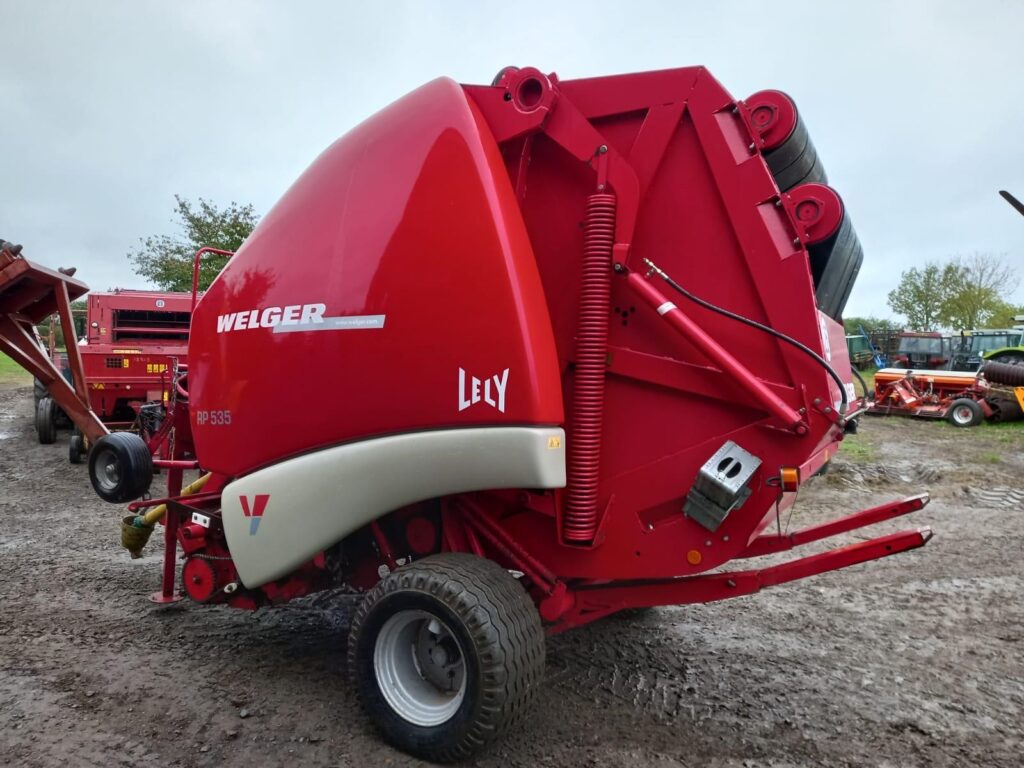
x=583, y=348
x=132, y=341
x=962, y=398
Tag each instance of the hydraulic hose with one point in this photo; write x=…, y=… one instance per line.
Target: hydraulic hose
x=844, y=396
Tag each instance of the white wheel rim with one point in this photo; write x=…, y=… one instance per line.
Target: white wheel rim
x=108, y=473
x=962, y=414
x=420, y=668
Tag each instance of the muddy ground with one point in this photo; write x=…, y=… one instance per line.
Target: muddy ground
x=915, y=660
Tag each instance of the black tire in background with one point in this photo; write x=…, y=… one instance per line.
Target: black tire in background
x=965, y=413
x=495, y=655
x=39, y=390
x=1010, y=357
x=76, y=448
x=120, y=467
x=46, y=420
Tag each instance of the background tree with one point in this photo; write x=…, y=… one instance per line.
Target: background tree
x=923, y=294
x=854, y=324
x=1005, y=314
x=985, y=282
x=166, y=260
x=78, y=310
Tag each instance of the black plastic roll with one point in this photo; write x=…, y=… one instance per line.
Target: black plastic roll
x=796, y=161
x=834, y=266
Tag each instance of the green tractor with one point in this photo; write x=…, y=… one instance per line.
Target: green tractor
x=1012, y=351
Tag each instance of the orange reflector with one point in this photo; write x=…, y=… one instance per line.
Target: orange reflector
x=790, y=477
x=693, y=557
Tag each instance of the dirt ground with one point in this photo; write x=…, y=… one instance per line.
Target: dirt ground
x=914, y=660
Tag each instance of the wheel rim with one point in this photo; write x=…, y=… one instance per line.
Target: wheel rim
x=962, y=414
x=108, y=473
x=420, y=668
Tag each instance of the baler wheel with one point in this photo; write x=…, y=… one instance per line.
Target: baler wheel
x=120, y=467
x=446, y=654
x=965, y=413
x=46, y=421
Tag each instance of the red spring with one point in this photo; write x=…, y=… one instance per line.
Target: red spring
x=581, y=516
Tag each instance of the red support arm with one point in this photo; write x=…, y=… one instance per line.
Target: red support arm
x=769, y=544
x=591, y=603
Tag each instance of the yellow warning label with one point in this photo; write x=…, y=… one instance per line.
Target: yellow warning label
x=554, y=442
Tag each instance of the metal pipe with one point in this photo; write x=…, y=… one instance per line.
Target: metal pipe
x=715, y=352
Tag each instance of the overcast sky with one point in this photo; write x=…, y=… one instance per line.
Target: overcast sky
x=107, y=109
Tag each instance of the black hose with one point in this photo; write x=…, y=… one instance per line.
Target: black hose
x=863, y=384
x=771, y=331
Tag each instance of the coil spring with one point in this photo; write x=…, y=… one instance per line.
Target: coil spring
x=581, y=516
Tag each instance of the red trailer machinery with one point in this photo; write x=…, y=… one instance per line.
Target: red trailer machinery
x=132, y=341
x=582, y=348
x=964, y=399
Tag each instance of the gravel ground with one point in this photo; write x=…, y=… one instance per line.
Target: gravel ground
x=914, y=660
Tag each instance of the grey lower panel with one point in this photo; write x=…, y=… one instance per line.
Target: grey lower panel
x=319, y=498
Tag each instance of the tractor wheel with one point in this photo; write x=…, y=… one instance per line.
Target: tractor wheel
x=76, y=447
x=446, y=654
x=965, y=413
x=120, y=467
x=46, y=420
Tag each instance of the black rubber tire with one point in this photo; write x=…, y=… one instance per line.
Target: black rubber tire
x=76, y=448
x=796, y=161
x=46, y=421
x=835, y=264
x=120, y=467
x=1010, y=358
x=998, y=372
x=39, y=390
x=498, y=630
x=1004, y=408
x=501, y=74
x=957, y=415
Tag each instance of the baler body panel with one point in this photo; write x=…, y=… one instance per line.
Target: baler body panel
x=341, y=489
x=404, y=237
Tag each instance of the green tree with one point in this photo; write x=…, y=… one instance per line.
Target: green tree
x=78, y=310
x=1005, y=315
x=854, y=324
x=984, y=283
x=167, y=259
x=923, y=294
